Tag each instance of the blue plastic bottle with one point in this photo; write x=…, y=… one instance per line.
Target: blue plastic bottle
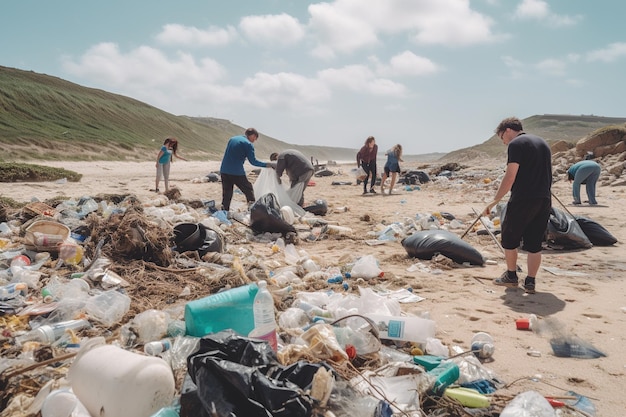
x=230, y=309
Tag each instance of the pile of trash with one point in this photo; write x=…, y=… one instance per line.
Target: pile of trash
x=114, y=307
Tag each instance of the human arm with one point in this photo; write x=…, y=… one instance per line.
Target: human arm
x=505, y=186
x=159, y=155
x=179, y=157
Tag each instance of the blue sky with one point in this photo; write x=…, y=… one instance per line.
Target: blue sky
x=432, y=75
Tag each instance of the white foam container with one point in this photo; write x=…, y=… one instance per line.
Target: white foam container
x=112, y=382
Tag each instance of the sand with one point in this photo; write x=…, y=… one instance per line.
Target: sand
x=584, y=291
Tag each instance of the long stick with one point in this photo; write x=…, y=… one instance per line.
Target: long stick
x=495, y=239
x=557, y=199
x=471, y=225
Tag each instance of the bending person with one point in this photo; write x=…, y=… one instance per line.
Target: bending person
x=584, y=172
x=366, y=158
x=299, y=170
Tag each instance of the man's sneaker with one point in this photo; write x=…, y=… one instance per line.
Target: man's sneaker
x=529, y=285
x=505, y=281
x=372, y=191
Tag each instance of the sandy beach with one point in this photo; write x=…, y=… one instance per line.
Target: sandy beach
x=584, y=289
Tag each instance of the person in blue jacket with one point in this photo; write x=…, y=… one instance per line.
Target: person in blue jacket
x=232, y=173
x=584, y=172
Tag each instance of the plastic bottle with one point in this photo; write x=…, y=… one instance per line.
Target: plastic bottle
x=404, y=328
x=482, y=345
x=10, y=291
x=48, y=333
x=264, y=316
x=157, y=347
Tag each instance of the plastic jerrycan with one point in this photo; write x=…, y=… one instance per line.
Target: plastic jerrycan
x=112, y=382
x=230, y=309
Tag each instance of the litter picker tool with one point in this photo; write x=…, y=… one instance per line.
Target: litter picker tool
x=563, y=205
x=471, y=225
x=495, y=239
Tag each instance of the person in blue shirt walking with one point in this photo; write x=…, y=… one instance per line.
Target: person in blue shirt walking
x=163, y=162
x=584, y=172
x=232, y=173
x=392, y=167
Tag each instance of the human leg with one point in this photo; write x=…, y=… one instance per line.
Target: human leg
x=227, y=190
x=242, y=182
x=366, y=168
x=394, y=175
x=539, y=212
x=578, y=179
x=373, y=170
x=159, y=174
x=166, y=175
x=590, y=185
x=383, y=179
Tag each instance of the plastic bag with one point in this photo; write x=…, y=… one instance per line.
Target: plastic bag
x=366, y=267
x=564, y=232
x=427, y=243
x=265, y=216
x=236, y=376
x=267, y=183
x=528, y=404
x=360, y=174
x=596, y=234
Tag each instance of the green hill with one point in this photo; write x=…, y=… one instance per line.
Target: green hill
x=551, y=127
x=47, y=118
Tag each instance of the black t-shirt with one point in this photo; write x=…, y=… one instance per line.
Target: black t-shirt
x=534, y=177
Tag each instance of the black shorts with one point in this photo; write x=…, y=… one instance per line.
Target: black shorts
x=526, y=221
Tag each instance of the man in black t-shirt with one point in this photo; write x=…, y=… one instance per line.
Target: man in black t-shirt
x=528, y=177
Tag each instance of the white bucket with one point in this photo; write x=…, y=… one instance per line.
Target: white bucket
x=113, y=382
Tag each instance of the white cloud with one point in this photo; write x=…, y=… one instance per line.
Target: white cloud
x=532, y=9
x=174, y=34
x=345, y=26
x=514, y=65
x=540, y=10
x=406, y=64
x=284, y=90
x=552, y=66
x=361, y=79
x=609, y=54
x=272, y=30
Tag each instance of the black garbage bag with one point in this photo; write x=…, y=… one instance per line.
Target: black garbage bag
x=235, y=376
x=428, y=243
x=415, y=177
x=563, y=232
x=319, y=207
x=265, y=216
x=212, y=241
x=597, y=235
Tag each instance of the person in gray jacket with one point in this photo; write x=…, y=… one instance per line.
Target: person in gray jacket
x=299, y=170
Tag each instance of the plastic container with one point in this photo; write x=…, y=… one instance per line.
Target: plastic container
x=49, y=333
x=10, y=291
x=157, y=347
x=113, y=382
x=444, y=375
x=407, y=329
x=63, y=403
x=20, y=260
x=482, y=345
x=230, y=309
x=264, y=316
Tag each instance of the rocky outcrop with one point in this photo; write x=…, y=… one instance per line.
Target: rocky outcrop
x=606, y=146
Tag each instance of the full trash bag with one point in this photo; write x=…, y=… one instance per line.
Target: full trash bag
x=564, y=232
x=265, y=216
x=267, y=183
x=427, y=243
x=596, y=234
x=319, y=207
x=240, y=377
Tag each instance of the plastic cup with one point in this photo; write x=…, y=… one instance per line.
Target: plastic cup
x=265, y=333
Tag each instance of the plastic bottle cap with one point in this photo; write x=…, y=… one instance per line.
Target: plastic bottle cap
x=46, y=334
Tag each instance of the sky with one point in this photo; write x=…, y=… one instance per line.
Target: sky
x=431, y=75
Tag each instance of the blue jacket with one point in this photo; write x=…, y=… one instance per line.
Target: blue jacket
x=238, y=149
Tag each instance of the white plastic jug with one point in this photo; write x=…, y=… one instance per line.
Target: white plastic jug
x=112, y=382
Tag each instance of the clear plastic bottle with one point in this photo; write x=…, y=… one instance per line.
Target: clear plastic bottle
x=48, y=333
x=264, y=315
x=12, y=290
x=157, y=347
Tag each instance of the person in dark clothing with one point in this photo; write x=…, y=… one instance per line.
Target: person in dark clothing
x=232, y=173
x=528, y=177
x=366, y=158
x=299, y=170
